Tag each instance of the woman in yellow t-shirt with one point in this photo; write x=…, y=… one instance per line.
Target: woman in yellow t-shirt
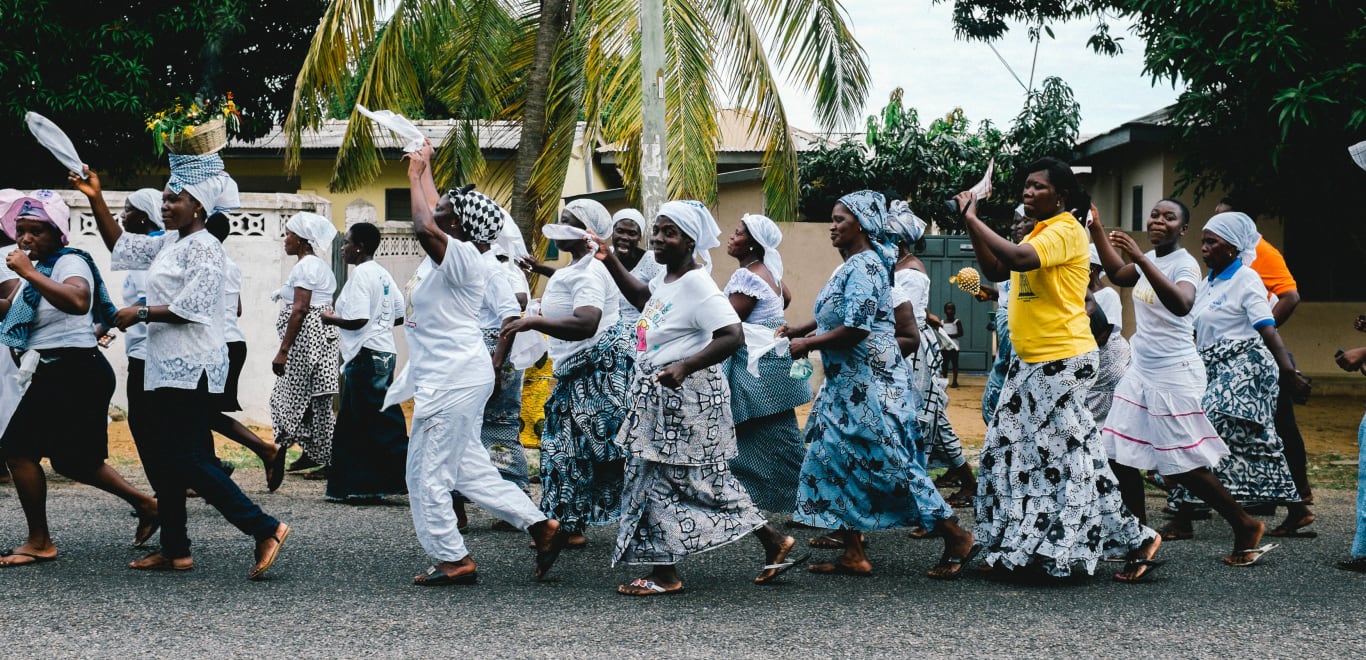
x=1042, y=447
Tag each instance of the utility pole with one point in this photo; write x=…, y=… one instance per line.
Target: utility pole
x=654, y=162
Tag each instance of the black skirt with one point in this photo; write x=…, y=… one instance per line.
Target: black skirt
x=64, y=414
x=237, y=358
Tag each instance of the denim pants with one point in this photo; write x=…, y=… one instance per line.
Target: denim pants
x=181, y=454
x=1359, y=542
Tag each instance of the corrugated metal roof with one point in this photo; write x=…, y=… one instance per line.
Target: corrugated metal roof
x=493, y=135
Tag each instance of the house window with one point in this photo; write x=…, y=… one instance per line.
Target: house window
x=1138, y=208
x=398, y=205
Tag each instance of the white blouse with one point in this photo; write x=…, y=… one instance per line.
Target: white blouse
x=187, y=275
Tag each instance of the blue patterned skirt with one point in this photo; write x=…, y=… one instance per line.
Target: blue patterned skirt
x=767, y=437
x=581, y=466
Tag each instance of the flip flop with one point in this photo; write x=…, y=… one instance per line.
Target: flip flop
x=275, y=471
x=836, y=568
x=147, y=526
x=435, y=577
x=959, y=501
x=163, y=563
x=263, y=564
x=1254, y=555
x=781, y=564
x=947, y=561
x=650, y=588
x=1131, y=565
x=37, y=559
x=545, y=560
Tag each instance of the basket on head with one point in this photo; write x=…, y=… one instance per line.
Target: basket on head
x=968, y=280
x=206, y=138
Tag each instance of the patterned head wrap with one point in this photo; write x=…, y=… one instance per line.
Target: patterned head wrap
x=480, y=217
x=315, y=229
x=907, y=226
x=1239, y=230
x=207, y=182
x=871, y=210
x=148, y=200
x=44, y=205
x=693, y=218
x=593, y=215
x=765, y=232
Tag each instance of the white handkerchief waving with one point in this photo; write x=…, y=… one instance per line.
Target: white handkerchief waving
x=759, y=341
x=56, y=141
x=398, y=124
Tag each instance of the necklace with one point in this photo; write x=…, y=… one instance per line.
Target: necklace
x=751, y=262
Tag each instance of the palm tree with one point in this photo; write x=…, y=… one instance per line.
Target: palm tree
x=548, y=63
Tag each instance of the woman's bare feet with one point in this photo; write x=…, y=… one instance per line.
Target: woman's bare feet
x=549, y=542
x=960, y=547
x=1140, y=563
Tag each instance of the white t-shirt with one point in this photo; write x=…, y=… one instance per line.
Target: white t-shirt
x=370, y=293
x=1162, y=339
x=134, y=293
x=53, y=328
x=500, y=297
x=584, y=283
x=445, y=344
x=681, y=316
x=646, y=269
x=915, y=287
x=1231, y=306
x=1107, y=299
x=5, y=273
x=232, y=293
x=310, y=273
x=187, y=275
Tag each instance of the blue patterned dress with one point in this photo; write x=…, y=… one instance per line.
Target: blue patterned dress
x=863, y=469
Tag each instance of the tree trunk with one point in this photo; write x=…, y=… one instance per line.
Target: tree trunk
x=554, y=16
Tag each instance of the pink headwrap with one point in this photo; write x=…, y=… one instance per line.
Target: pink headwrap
x=45, y=205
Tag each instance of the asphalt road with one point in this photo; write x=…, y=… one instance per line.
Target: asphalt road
x=341, y=588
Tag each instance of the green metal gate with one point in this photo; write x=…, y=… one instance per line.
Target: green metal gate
x=943, y=257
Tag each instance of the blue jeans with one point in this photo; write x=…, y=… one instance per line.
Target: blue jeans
x=181, y=454
x=1359, y=543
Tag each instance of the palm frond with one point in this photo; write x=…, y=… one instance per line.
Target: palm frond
x=563, y=106
x=755, y=89
x=689, y=102
x=346, y=29
x=816, y=47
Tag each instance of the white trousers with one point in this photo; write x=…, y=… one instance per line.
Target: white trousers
x=444, y=455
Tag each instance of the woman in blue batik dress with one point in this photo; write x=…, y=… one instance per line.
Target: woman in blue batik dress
x=861, y=471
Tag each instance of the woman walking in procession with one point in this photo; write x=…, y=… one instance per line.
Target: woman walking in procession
x=865, y=469
x=680, y=497
x=187, y=357
x=581, y=466
x=451, y=376
x=767, y=438
x=370, y=444
x=53, y=313
x=1157, y=420
x=1245, y=365
x=1045, y=494
x=306, y=364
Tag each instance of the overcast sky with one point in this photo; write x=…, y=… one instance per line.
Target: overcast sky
x=910, y=44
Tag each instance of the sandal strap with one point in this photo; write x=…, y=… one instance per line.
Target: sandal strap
x=642, y=583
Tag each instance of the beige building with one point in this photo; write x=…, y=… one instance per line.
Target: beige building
x=1132, y=167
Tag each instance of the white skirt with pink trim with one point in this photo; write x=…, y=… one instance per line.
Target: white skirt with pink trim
x=1158, y=422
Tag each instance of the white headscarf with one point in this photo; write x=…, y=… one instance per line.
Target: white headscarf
x=634, y=216
x=765, y=232
x=1239, y=230
x=206, y=181
x=909, y=225
x=1095, y=255
x=593, y=215
x=148, y=200
x=315, y=229
x=693, y=218
x=510, y=242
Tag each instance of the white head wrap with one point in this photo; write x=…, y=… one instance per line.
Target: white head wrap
x=765, y=232
x=1020, y=211
x=1095, y=255
x=693, y=218
x=148, y=200
x=315, y=229
x=593, y=215
x=1239, y=230
x=634, y=216
x=510, y=242
x=908, y=225
x=206, y=181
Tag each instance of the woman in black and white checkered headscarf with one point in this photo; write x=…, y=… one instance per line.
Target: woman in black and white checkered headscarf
x=479, y=218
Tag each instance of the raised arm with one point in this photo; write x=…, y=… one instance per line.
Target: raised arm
x=1119, y=272
x=109, y=228
x=635, y=291
x=71, y=296
x=997, y=256
x=1177, y=297
x=429, y=235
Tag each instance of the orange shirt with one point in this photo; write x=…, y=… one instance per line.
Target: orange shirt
x=1270, y=265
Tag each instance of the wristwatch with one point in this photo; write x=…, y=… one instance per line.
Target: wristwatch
x=142, y=314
